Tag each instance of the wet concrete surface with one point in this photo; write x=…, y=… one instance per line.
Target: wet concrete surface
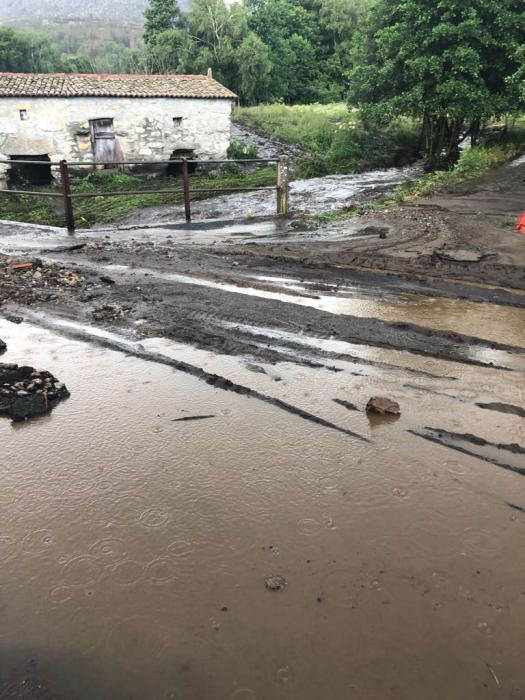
x=136, y=547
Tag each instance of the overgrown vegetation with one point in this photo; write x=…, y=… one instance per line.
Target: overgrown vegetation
x=333, y=137
x=104, y=210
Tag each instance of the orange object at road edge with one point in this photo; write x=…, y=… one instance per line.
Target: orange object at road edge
x=520, y=226
x=21, y=266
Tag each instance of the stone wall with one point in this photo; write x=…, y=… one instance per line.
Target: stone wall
x=144, y=127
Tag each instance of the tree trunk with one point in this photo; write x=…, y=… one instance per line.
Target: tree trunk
x=441, y=137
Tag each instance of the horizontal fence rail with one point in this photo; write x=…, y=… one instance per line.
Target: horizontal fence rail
x=65, y=167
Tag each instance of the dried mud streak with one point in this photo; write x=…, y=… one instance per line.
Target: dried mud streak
x=439, y=437
x=211, y=379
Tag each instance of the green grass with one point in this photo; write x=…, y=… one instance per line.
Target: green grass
x=332, y=137
x=105, y=210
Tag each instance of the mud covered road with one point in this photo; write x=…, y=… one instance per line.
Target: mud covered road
x=212, y=513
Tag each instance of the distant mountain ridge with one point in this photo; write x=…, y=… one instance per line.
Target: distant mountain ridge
x=119, y=10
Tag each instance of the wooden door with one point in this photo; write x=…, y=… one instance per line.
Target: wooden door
x=103, y=140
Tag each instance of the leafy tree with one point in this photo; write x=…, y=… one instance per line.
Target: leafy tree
x=517, y=80
x=172, y=52
x=160, y=15
x=291, y=33
x=254, y=68
x=215, y=35
x=446, y=62
x=27, y=53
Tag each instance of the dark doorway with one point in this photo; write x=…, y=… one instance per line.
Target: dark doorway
x=21, y=174
x=175, y=169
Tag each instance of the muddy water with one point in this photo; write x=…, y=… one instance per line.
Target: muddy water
x=306, y=196
x=134, y=549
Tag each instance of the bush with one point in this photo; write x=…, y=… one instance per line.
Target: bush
x=239, y=150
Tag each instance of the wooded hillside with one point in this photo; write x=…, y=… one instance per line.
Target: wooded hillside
x=128, y=10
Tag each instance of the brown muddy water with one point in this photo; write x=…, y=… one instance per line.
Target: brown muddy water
x=134, y=548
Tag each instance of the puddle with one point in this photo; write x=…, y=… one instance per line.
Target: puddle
x=144, y=544
x=502, y=324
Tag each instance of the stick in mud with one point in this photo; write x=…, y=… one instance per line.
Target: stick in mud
x=186, y=418
x=514, y=506
x=347, y=404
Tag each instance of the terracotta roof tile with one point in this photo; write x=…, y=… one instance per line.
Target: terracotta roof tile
x=92, y=85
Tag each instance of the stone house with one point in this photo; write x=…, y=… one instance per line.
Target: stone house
x=86, y=118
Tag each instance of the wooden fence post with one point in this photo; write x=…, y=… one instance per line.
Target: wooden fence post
x=68, y=202
x=186, y=185
x=283, y=187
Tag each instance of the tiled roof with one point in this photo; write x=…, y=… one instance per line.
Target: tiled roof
x=75, y=85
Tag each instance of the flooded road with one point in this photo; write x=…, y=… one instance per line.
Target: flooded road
x=136, y=547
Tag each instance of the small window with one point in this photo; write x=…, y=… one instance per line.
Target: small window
x=24, y=115
x=177, y=122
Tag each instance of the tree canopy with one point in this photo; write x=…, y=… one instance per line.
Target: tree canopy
x=265, y=50
x=27, y=52
x=449, y=63
x=160, y=16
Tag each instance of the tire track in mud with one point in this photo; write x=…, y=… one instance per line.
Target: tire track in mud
x=113, y=342
x=207, y=295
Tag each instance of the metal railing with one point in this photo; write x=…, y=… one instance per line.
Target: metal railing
x=281, y=187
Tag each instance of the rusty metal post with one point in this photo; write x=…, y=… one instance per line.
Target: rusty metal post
x=186, y=185
x=68, y=202
x=283, y=187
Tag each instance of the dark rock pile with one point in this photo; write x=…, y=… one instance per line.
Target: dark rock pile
x=3, y=346
x=26, y=392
